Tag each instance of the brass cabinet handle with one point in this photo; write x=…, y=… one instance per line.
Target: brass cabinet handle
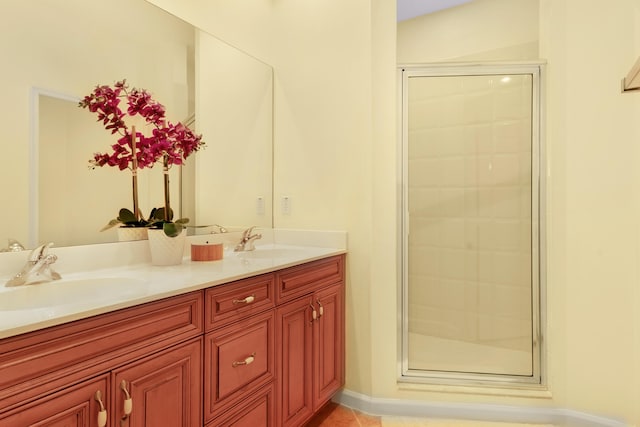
x=320, y=308
x=247, y=300
x=102, y=413
x=128, y=401
x=248, y=361
x=314, y=313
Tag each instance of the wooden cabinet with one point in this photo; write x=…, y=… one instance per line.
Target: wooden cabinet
x=282, y=331
x=239, y=351
x=266, y=351
x=310, y=337
x=162, y=390
x=50, y=378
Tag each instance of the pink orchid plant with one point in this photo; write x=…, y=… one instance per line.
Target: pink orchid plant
x=168, y=143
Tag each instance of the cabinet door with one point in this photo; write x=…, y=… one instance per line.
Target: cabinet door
x=328, y=344
x=165, y=388
x=75, y=406
x=294, y=335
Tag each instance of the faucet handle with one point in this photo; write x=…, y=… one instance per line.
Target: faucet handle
x=247, y=233
x=39, y=252
x=13, y=246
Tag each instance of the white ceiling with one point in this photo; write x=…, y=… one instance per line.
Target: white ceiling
x=408, y=9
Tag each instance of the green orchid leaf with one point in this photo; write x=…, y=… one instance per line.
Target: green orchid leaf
x=111, y=224
x=172, y=229
x=159, y=214
x=126, y=216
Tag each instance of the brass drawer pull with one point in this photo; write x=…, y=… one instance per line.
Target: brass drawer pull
x=320, y=309
x=128, y=402
x=247, y=300
x=102, y=413
x=314, y=313
x=248, y=361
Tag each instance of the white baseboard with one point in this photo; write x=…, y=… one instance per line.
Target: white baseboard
x=471, y=411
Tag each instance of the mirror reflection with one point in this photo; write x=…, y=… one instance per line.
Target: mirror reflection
x=232, y=183
x=50, y=192
x=91, y=197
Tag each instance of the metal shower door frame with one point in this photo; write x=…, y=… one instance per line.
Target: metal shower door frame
x=538, y=248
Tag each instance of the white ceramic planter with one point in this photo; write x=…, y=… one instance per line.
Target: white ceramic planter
x=166, y=250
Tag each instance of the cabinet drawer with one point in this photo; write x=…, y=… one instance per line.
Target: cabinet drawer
x=47, y=360
x=235, y=301
x=258, y=411
x=239, y=359
x=303, y=279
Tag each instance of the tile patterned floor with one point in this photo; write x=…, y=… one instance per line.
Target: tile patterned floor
x=413, y=422
x=334, y=415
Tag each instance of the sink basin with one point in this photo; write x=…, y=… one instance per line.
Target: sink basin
x=67, y=292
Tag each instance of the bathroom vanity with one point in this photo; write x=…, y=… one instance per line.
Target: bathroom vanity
x=262, y=348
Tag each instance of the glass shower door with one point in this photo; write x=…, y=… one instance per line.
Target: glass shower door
x=471, y=225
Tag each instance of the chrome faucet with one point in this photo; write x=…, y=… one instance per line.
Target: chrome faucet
x=37, y=269
x=220, y=229
x=248, y=240
x=14, y=246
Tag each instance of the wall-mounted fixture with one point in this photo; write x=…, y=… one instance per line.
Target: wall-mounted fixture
x=631, y=82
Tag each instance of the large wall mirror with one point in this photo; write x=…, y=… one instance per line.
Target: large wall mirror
x=55, y=52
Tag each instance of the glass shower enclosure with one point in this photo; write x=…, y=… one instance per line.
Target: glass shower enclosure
x=471, y=224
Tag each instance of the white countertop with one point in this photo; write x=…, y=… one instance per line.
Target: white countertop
x=111, y=284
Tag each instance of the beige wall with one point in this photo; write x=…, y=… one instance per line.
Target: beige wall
x=234, y=108
x=336, y=157
x=486, y=30
x=593, y=135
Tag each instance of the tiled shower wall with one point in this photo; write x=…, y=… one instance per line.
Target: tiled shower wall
x=469, y=185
